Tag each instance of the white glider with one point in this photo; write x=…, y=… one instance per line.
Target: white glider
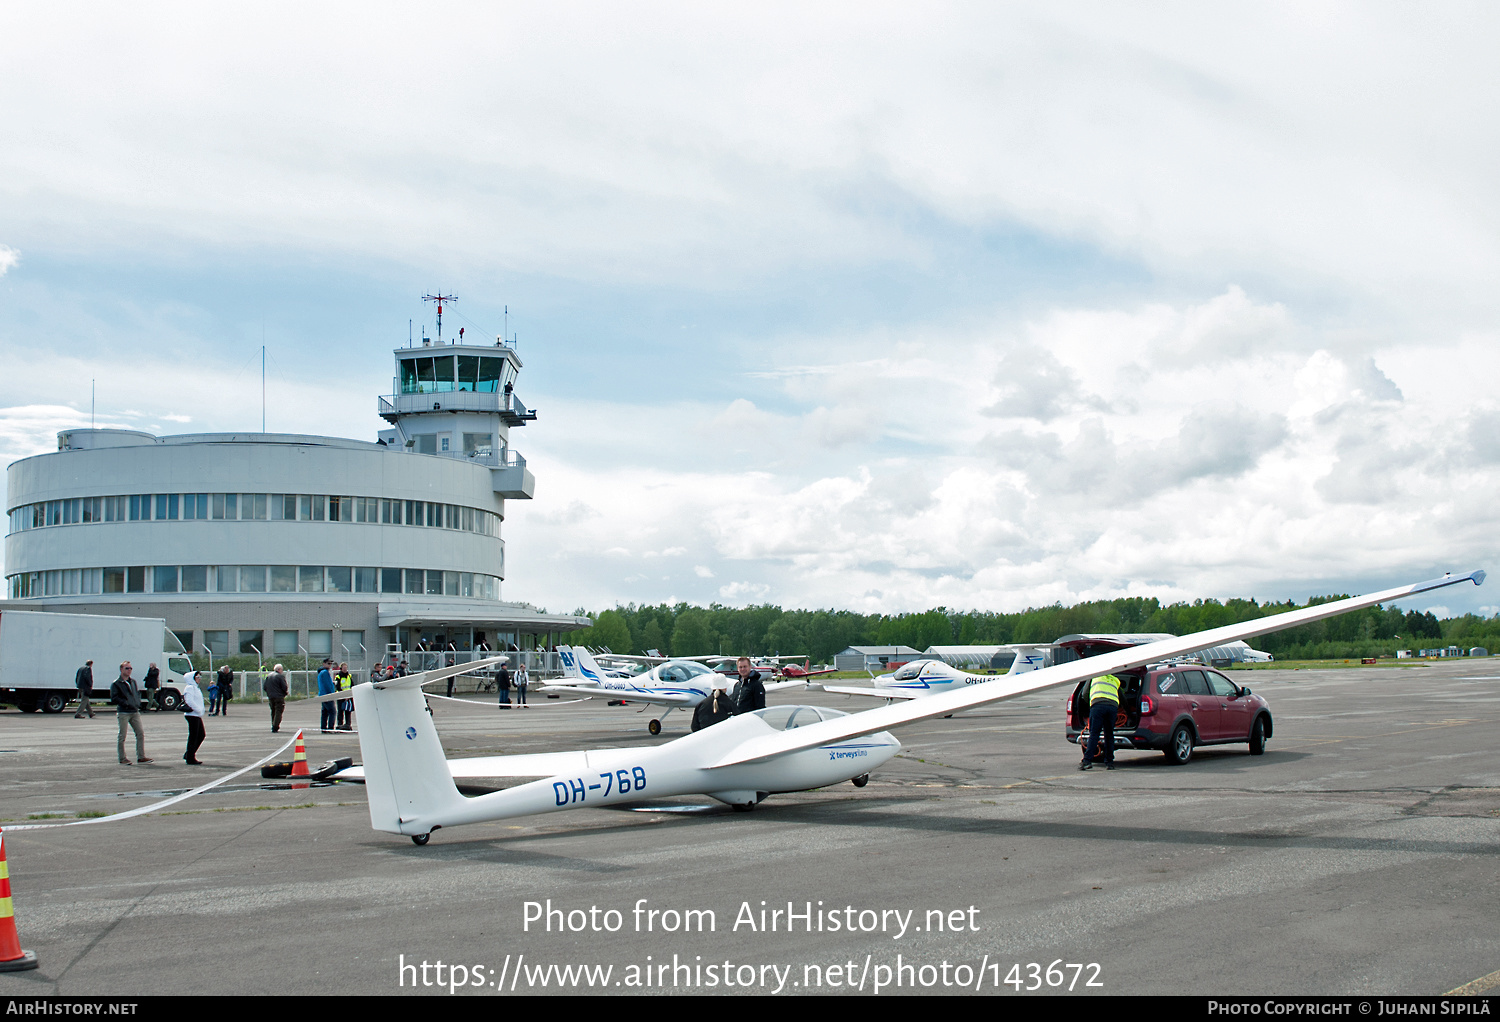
x=411, y=790
x=929, y=677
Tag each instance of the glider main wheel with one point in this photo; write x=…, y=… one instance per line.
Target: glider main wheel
x=861, y=780
x=743, y=807
x=654, y=727
x=420, y=839
x=1258, y=737
x=1180, y=749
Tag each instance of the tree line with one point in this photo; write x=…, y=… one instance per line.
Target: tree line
x=686, y=630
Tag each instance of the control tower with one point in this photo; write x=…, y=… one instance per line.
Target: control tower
x=459, y=401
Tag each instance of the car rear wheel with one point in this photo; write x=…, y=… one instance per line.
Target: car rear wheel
x=1258, y=737
x=1180, y=749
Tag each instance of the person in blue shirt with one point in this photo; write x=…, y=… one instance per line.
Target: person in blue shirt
x=326, y=687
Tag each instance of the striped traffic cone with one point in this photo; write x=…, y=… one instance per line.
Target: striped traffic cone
x=299, y=759
x=12, y=958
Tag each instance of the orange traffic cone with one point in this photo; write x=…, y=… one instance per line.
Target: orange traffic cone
x=299, y=759
x=12, y=958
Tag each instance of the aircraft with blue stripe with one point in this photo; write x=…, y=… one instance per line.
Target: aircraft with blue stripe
x=674, y=684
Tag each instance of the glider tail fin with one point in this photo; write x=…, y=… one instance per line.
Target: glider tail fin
x=407, y=779
x=578, y=665
x=1028, y=658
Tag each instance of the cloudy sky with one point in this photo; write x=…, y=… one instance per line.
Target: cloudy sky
x=862, y=306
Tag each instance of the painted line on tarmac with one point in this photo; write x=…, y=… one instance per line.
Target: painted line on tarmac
x=158, y=805
x=1482, y=985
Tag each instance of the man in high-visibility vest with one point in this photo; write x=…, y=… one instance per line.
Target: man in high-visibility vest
x=1104, y=705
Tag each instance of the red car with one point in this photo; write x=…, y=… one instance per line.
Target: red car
x=1175, y=708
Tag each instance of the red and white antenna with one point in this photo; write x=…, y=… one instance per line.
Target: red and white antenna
x=440, y=298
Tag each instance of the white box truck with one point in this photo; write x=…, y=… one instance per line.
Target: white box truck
x=40, y=653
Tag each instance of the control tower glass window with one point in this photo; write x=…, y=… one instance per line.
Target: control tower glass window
x=468, y=372
x=443, y=372
x=489, y=374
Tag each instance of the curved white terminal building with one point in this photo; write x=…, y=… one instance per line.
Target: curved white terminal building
x=282, y=545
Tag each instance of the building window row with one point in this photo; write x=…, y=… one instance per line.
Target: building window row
x=276, y=507
x=350, y=644
x=251, y=578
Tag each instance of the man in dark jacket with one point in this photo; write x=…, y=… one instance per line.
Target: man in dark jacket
x=749, y=693
x=502, y=681
x=276, y=689
x=84, y=682
x=127, y=697
x=226, y=692
x=153, y=686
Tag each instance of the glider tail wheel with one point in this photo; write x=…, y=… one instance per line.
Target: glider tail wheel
x=654, y=727
x=861, y=780
x=743, y=807
x=420, y=839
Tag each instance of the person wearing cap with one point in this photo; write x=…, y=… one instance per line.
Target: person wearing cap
x=192, y=699
x=502, y=681
x=1104, y=705
x=326, y=688
x=127, y=698
x=276, y=689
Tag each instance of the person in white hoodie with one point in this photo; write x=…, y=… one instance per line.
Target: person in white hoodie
x=192, y=697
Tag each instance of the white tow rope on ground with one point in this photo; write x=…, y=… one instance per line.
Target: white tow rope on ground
x=158, y=805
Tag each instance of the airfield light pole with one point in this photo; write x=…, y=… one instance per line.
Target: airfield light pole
x=440, y=298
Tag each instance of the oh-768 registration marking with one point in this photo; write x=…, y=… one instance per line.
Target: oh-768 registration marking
x=620, y=782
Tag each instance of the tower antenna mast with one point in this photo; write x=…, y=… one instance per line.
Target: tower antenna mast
x=440, y=298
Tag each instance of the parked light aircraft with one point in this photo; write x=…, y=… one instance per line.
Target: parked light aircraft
x=724, y=663
x=929, y=677
x=411, y=789
x=673, y=684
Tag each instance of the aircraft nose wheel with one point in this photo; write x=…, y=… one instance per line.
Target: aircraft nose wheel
x=420, y=839
x=654, y=727
x=861, y=780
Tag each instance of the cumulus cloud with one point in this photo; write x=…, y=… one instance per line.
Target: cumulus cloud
x=9, y=259
x=1035, y=385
